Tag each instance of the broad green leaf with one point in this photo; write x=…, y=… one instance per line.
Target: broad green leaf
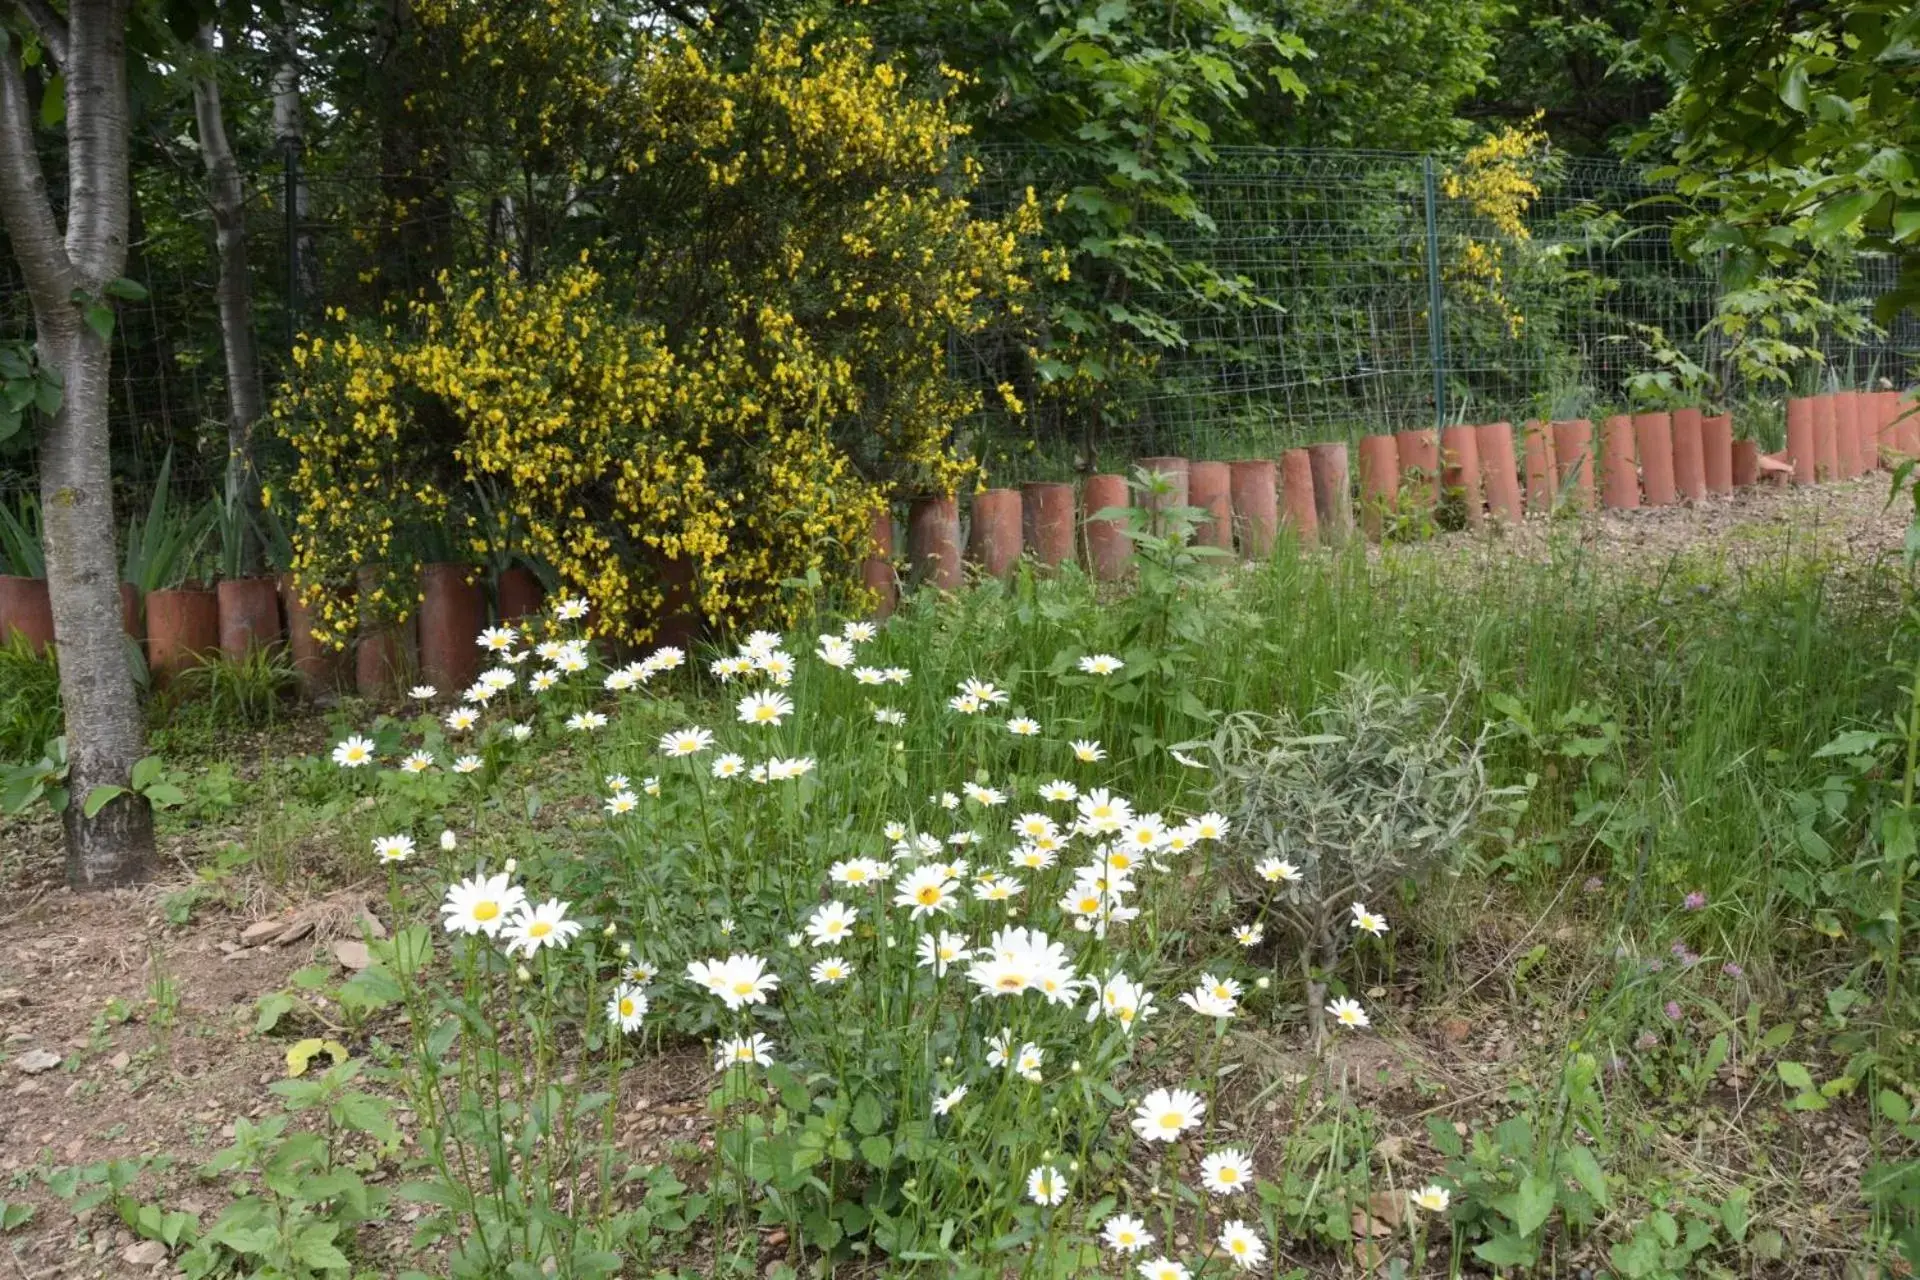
x=1794, y=1076
x=1584, y=1169
x=99, y=798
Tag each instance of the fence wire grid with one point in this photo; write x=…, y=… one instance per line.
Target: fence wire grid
x=1385, y=297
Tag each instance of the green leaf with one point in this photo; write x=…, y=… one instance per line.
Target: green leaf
x=99, y=798
x=1893, y=1106
x=1736, y=1215
x=269, y=1009
x=1584, y=1169
x=1794, y=1076
x=1445, y=1138
x=867, y=1115
x=1532, y=1201
x=164, y=795
x=1505, y=1251
x=145, y=770
x=1838, y=215
x=1853, y=742
x=53, y=102
x=122, y=287
x=99, y=318
x=14, y=1216
x=877, y=1151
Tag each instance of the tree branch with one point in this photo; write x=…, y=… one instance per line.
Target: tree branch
x=24, y=206
x=49, y=26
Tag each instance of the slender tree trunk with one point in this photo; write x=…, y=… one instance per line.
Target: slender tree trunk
x=290, y=130
x=245, y=401
x=105, y=735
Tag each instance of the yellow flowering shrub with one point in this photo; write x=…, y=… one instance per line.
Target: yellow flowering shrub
x=1497, y=181
x=748, y=362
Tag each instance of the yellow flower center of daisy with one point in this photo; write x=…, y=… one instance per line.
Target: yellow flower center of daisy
x=742, y=988
x=484, y=911
x=539, y=929
x=1237, y=1245
x=928, y=896
x=1009, y=982
x=1228, y=1174
x=1171, y=1119
x=626, y=1008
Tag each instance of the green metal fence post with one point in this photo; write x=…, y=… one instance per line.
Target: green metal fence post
x=1436, y=298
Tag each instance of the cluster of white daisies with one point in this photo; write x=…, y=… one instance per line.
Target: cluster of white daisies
x=929, y=883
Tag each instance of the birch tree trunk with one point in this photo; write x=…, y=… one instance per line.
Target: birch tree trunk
x=290, y=131
x=245, y=401
x=105, y=734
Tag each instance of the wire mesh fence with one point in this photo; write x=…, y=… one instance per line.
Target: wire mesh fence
x=1396, y=291
x=1388, y=291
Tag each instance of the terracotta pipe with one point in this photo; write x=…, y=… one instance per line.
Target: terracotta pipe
x=453, y=610
x=1327, y=464
x=1297, y=510
x=993, y=531
x=1826, y=441
x=1536, y=446
x=1379, y=482
x=1109, y=553
x=1210, y=487
x=1800, y=452
x=1573, y=454
x=1499, y=472
x=1853, y=448
x=1256, y=506
x=1716, y=452
x=1653, y=433
x=876, y=567
x=1689, y=455
x=1046, y=522
x=1745, y=463
x=1619, y=479
x=26, y=611
x=183, y=627
x=1420, y=464
x=933, y=542
x=1460, y=472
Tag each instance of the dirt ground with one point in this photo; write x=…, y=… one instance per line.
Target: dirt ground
x=125, y=1036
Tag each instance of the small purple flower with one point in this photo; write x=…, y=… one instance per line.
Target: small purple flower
x=1672, y=1010
x=1695, y=901
x=1655, y=966
x=1679, y=949
x=1594, y=884
x=1645, y=1040
x=1733, y=970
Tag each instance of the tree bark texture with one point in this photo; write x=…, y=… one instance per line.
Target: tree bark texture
x=105, y=733
x=245, y=400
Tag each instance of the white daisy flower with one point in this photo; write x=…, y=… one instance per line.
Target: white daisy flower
x=1087, y=751
x=1227, y=1173
x=627, y=1007
x=764, y=708
x=1433, y=1198
x=743, y=1051
x=685, y=742
x=537, y=927
x=1045, y=1186
x=831, y=970
x=947, y=1101
x=1164, y=1114
x=1100, y=664
x=1348, y=1013
x=393, y=848
x=353, y=752
x=482, y=904
x=1239, y=1242
x=1124, y=1233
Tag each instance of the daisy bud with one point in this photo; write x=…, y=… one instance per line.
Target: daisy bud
x=1262, y=983
x=447, y=840
x=1076, y=1066
x=625, y=949
x=1073, y=1166
x=521, y=972
x=512, y=865
x=607, y=932
x=947, y=1061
